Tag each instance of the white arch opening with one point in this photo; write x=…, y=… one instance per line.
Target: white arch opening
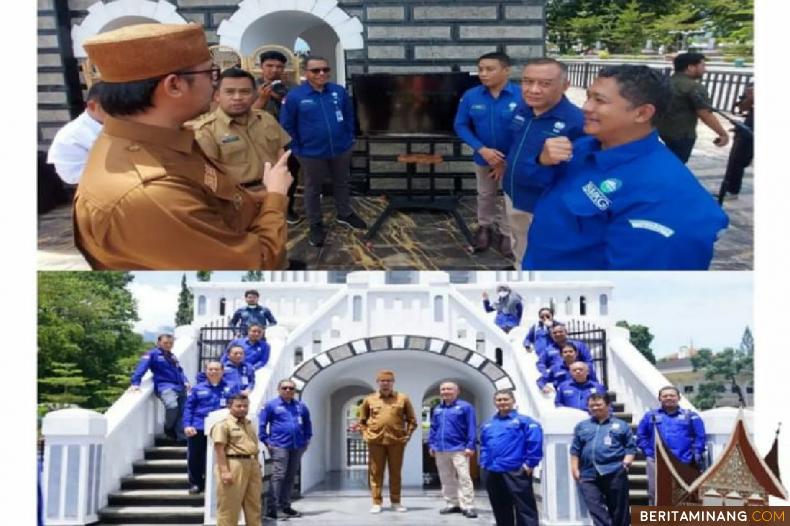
x=120, y=13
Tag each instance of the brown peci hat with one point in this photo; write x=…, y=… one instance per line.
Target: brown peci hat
x=145, y=51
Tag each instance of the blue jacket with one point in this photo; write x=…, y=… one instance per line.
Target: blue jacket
x=560, y=373
x=246, y=316
x=167, y=372
x=575, y=395
x=525, y=179
x=506, y=318
x=510, y=442
x=601, y=446
x=453, y=427
x=539, y=336
x=482, y=120
x=205, y=398
x=630, y=207
x=683, y=432
x=320, y=123
x=255, y=354
x=288, y=424
x=240, y=376
x=552, y=356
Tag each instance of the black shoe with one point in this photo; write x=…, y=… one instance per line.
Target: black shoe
x=352, y=220
x=272, y=515
x=194, y=489
x=317, y=235
x=171, y=434
x=450, y=509
x=292, y=218
x=291, y=512
x=470, y=514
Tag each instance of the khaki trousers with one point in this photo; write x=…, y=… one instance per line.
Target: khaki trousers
x=457, y=487
x=488, y=213
x=379, y=457
x=243, y=493
x=519, y=228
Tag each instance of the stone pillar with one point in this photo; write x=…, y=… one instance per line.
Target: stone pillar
x=72, y=476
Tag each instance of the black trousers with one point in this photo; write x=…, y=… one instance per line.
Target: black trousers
x=511, y=497
x=680, y=147
x=606, y=497
x=293, y=167
x=196, y=459
x=741, y=155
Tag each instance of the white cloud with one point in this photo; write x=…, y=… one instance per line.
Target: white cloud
x=156, y=305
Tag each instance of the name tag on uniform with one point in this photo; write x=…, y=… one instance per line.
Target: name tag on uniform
x=244, y=381
x=230, y=138
x=299, y=419
x=607, y=440
x=339, y=115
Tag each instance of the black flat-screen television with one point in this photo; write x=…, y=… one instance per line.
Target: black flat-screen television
x=408, y=104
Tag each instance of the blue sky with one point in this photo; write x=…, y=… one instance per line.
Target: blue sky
x=710, y=309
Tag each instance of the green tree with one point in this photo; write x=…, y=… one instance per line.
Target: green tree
x=253, y=275
x=65, y=384
x=640, y=337
x=204, y=275
x=85, y=319
x=629, y=32
x=706, y=396
x=185, y=314
x=730, y=366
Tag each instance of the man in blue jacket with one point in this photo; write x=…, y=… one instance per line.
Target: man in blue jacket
x=539, y=334
x=621, y=200
x=482, y=121
x=319, y=117
x=576, y=391
x=285, y=429
x=245, y=317
x=208, y=395
x=560, y=372
x=170, y=382
x=602, y=451
x=552, y=352
x=256, y=348
x=682, y=432
x=547, y=113
x=238, y=372
x=511, y=446
x=451, y=442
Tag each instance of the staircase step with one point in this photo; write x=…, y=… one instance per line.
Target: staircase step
x=637, y=481
x=626, y=417
x=155, y=481
x=159, y=466
x=152, y=514
x=162, y=452
x=162, y=440
x=638, y=497
x=618, y=407
x=154, y=497
x=638, y=467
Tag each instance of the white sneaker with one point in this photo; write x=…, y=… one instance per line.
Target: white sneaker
x=376, y=508
x=399, y=508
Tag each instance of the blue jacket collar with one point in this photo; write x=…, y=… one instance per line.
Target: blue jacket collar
x=624, y=153
x=603, y=422
x=508, y=416
x=557, y=111
x=454, y=402
x=509, y=87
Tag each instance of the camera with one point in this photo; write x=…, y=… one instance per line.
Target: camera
x=278, y=88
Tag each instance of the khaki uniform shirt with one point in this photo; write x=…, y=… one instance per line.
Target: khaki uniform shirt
x=149, y=199
x=387, y=420
x=238, y=436
x=241, y=145
x=688, y=97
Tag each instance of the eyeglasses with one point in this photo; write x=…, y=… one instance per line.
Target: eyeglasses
x=316, y=71
x=287, y=388
x=214, y=71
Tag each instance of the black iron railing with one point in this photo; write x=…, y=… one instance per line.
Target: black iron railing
x=356, y=452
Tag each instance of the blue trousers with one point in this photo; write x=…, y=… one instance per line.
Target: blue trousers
x=196, y=459
x=511, y=497
x=606, y=497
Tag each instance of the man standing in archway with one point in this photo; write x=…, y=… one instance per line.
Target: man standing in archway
x=387, y=421
x=452, y=442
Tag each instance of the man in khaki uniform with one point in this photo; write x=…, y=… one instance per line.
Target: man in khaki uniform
x=386, y=420
x=149, y=198
x=238, y=472
x=236, y=137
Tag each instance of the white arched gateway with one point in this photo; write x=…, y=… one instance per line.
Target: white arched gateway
x=113, y=15
x=327, y=29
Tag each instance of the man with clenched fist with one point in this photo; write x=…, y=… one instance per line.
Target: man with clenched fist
x=621, y=199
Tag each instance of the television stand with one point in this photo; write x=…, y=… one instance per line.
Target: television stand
x=398, y=203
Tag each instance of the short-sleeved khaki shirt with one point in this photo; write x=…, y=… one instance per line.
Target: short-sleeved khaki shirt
x=688, y=97
x=149, y=199
x=387, y=420
x=241, y=145
x=238, y=436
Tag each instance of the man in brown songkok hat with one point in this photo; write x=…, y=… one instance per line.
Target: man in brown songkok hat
x=149, y=198
x=387, y=421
